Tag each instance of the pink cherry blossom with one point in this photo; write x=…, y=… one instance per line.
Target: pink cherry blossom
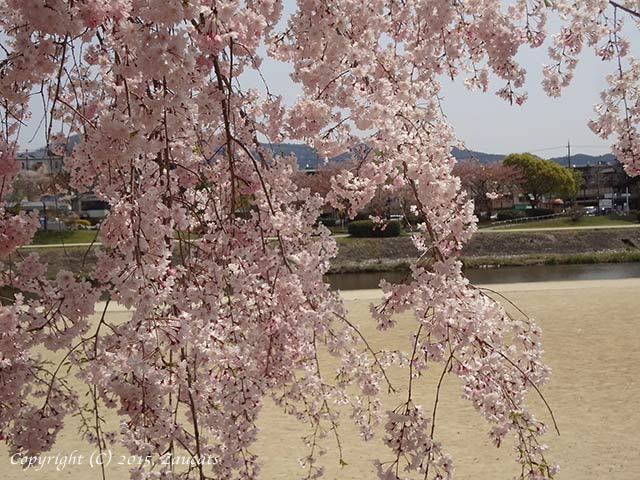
x=171, y=139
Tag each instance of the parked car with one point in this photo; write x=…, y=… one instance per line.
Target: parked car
x=91, y=208
x=590, y=211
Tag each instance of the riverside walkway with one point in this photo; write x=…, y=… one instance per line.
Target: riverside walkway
x=590, y=334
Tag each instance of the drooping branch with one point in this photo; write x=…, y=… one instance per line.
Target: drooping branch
x=626, y=9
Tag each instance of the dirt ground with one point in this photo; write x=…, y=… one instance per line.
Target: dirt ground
x=592, y=340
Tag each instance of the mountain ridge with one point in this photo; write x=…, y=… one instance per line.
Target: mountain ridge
x=309, y=159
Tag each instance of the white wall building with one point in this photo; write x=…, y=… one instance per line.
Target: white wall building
x=30, y=161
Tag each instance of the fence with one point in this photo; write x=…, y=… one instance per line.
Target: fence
x=528, y=219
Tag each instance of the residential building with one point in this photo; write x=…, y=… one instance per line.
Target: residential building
x=607, y=187
x=51, y=164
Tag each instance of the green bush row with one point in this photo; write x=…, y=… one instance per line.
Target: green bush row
x=510, y=214
x=327, y=221
x=366, y=228
x=515, y=214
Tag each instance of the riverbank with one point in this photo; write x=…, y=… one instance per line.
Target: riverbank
x=372, y=265
x=494, y=249
x=486, y=249
x=590, y=338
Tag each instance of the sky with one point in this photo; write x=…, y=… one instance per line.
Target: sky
x=542, y=125
x=482, y=121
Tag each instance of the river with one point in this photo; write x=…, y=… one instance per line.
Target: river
x=535, y=273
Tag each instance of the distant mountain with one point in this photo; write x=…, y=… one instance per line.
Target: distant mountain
x=582, y=159
x=578, y=159
x=309, y=159
x=482, y=157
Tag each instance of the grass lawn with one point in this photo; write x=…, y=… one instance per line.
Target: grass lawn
x=551, y=259
x=53, y=238
x=338, y=230
x=567, y=222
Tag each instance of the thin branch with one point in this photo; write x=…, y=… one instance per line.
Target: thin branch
x=553, y=418
x=366, y=343
x=435, y=411
x=626, y=9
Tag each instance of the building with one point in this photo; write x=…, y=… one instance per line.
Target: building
x=51, y=164
x=607, y=187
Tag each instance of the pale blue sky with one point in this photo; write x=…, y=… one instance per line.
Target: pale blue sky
x=487, y=123
x=484, y=122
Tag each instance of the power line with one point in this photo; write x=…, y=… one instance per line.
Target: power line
x=563, y=147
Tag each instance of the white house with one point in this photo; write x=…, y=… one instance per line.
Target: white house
x=31, y=161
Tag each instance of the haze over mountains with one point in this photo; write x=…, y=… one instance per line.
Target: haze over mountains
x=577, y=159
x=308, y=158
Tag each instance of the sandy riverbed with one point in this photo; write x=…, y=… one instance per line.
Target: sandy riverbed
x=590, y=333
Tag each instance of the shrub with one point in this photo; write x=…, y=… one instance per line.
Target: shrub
x=70, y=224
x=361, y=216
x=576, y=213
x=366, y=228
x=511, y=214
x=539, y=212
x=327, y=221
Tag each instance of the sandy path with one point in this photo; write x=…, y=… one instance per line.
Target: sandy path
x=590, y=332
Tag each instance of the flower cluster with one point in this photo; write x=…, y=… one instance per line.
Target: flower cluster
x=219, y=254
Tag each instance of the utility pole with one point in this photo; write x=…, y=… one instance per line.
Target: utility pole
x=574, y=199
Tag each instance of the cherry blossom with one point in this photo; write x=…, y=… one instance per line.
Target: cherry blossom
x=178, y=147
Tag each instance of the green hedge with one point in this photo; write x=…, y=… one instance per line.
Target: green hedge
x=511, y=214
x=530, y=212
x=539, y=212
x=327, y=221
x=366, y=228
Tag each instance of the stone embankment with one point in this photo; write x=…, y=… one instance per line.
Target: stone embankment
x=494, y=248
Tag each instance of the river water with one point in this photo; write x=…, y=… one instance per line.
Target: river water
x=535, y=273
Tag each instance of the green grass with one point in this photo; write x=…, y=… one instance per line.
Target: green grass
x=87, y=236
x=338, y=230
x=565, y=222
x=403, y=264
x=553, y=259
x=54, y=238
x=484, y=223
x=599, y=257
